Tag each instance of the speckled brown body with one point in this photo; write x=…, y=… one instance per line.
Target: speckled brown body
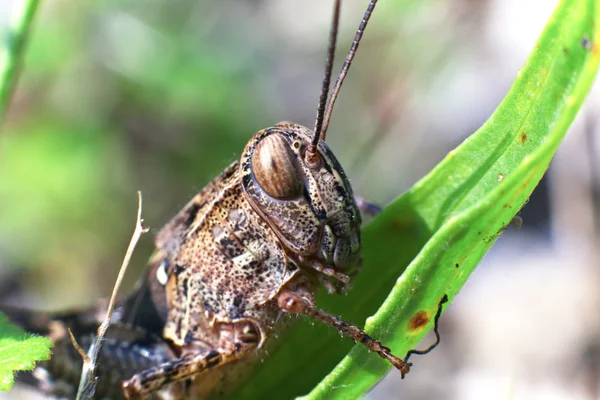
x=212, y=294
x=253, y=245
x=222, y=261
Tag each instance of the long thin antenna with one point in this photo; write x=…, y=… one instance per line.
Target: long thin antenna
x=436, y=321
x=326, y=81
x=346, y=67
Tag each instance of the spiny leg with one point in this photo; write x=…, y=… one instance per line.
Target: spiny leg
x=367, y=208
x=328, y=271
x=293, y=302
x=151, y=380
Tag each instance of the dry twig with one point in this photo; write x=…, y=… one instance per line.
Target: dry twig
x=87, y=384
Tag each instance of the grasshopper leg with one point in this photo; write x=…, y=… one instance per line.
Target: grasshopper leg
x=295, y=302
x=144, y=383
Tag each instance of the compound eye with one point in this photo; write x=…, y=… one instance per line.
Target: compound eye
x=274, y=168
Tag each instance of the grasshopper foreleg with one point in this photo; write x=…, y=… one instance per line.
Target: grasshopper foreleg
x=294, y=302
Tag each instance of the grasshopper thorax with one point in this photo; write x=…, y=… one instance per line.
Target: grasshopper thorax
x=308, y=204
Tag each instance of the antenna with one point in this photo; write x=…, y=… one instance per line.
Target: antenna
x=346, y=67
x=311, y=152
x=436, y=321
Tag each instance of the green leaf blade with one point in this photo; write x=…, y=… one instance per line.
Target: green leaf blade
x=468, y=200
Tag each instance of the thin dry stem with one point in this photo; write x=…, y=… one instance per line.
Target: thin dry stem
x=82, y=353
x=87, y=384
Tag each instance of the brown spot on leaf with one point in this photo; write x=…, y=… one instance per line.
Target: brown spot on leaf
x=419, y=320
x=399, y=224
x=456, y=265
x=526, y=183
x=586, y=43
x=523, y=137
x=564, y=49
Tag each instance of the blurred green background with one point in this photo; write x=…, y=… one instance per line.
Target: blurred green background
x=160, y=96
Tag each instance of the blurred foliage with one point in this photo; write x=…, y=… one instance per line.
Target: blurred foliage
x=14, y=40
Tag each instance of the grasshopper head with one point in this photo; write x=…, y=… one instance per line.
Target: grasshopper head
x=307, y=201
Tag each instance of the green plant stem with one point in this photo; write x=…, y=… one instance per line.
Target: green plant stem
x=11, y=55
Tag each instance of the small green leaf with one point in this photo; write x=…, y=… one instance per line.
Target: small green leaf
x=19, y=351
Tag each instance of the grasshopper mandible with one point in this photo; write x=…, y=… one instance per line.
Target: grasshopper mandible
x=252, y=246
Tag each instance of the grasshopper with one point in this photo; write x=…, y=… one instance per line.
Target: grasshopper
x=252, y=247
